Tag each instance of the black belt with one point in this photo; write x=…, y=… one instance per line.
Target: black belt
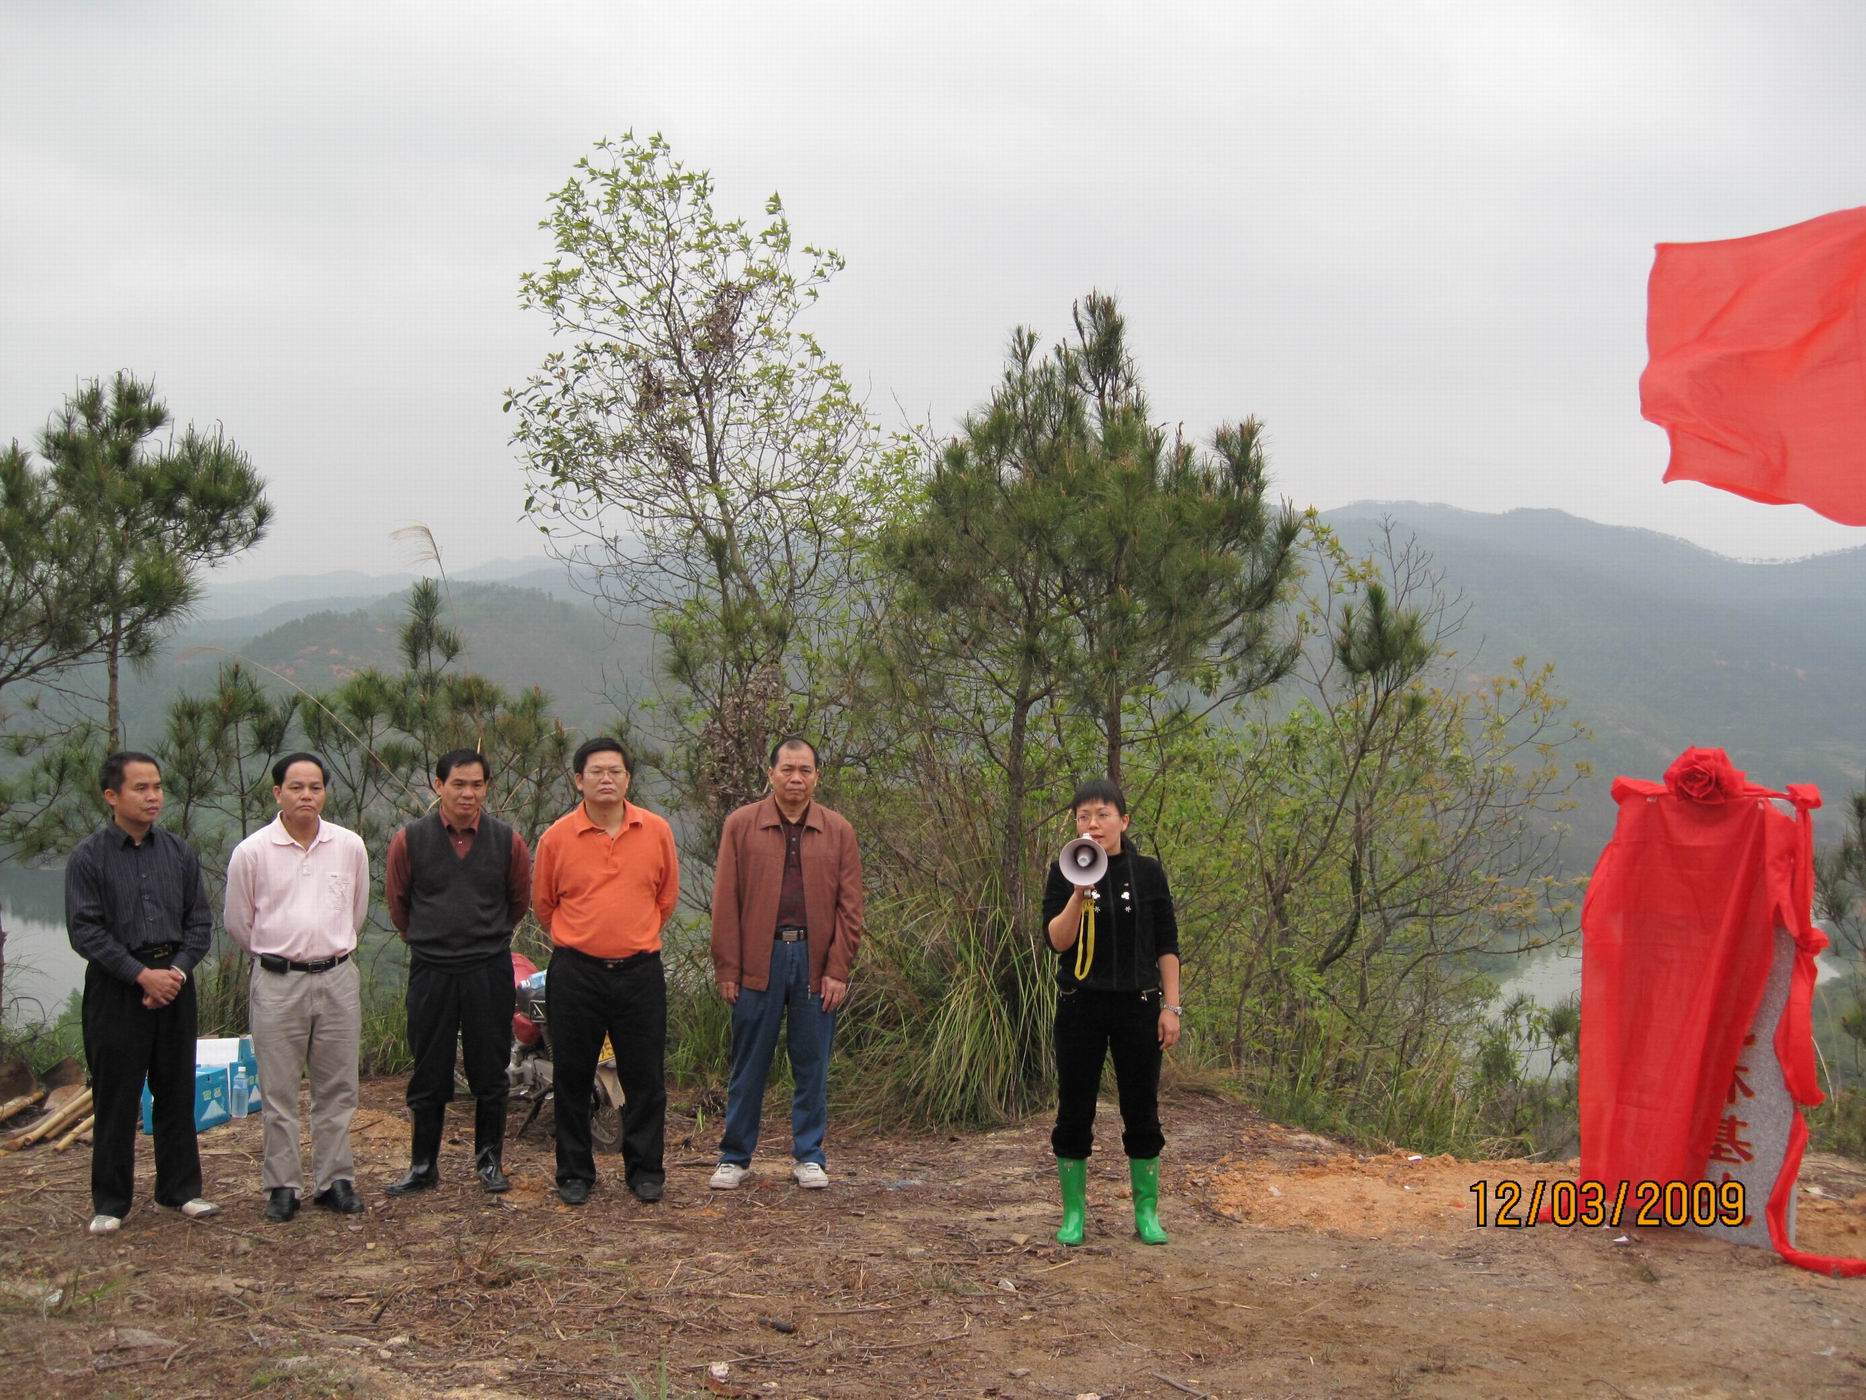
x=155, y=952
x=791, y=933
x=1154, y=996
x=272, y=962
x=613, y=963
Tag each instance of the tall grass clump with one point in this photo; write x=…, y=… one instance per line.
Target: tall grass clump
x=220, y=989
x=699, y=1023
x=951, y=1026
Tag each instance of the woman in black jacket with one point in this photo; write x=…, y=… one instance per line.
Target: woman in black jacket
x=1117, y=973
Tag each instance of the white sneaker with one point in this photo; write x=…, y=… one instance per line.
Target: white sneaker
x=199, y=1209
x=728, y=1175
x=809, y=1174
x=105, y=1224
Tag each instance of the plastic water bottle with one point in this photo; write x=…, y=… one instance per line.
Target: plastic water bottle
x=237, y=1091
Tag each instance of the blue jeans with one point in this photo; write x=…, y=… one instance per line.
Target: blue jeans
x=755, y=1017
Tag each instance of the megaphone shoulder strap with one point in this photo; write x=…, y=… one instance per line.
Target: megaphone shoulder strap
x=1085, y=938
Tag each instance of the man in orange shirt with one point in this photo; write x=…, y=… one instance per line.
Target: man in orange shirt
x=604, y=881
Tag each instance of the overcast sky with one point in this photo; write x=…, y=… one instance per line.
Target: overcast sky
x=1412, y=238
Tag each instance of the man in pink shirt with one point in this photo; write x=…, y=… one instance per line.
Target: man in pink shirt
x=297, y=895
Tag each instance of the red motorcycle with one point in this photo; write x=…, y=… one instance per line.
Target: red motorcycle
x=528, y=1076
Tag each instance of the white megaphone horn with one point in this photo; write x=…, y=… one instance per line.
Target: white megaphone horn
x=1083, y=861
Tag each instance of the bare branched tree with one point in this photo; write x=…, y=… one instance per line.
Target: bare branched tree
x=695, y=455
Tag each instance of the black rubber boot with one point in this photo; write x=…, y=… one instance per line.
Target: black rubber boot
x=489, y=1145
x=423, y=1174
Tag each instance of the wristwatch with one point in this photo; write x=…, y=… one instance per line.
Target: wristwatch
x=1176, y=1010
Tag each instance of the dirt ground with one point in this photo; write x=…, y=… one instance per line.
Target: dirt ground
x=1295, y=1269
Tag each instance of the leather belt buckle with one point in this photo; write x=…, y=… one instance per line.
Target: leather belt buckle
x=272, y=962
x=790, y=933
x=612, y=964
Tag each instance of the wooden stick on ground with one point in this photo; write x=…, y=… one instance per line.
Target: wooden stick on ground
x=72, y=1136
x=55, y=1122
x=1180, y=1387
x=20, y=1104
x=64, y=1118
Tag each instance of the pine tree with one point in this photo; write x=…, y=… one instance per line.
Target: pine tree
x=150, y=517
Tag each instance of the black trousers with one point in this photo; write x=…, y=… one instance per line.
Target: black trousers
x=1089, y=1025
x=124, y=1042
x=471, y=1005
x=627, y=1001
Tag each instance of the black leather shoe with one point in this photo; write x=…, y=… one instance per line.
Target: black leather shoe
x=647, y=1190
x=341, y=1197
x=420, y=1176
x=491, y=1175
x=281, y=1204
x=573, y=1193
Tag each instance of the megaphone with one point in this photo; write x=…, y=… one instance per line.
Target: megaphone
x=1083, y=861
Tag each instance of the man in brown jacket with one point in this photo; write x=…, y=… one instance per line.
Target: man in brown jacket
x=787, y=916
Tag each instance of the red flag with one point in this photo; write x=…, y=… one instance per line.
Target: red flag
x=1757, y=367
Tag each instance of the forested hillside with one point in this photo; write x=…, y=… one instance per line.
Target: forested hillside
x=517, y=636
x=1658, y=644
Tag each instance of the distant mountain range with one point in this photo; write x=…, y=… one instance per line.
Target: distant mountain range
x=1656, y=643
x=532, y=626
x=272, y=600
x=1659, y=644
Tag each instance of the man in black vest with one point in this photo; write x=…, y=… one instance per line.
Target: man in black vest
x=458, y=881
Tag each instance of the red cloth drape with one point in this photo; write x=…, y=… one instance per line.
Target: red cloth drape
x=1757, y=363
x=1678, y=934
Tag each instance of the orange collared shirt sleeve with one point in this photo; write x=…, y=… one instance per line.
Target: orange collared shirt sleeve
x=669, y=894
x=544, y=878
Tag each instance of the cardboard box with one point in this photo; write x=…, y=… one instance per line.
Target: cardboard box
x=226, y=1052
x=218, y=1050
x=211, y=1107
x=251, y=1061
x=214, y=1059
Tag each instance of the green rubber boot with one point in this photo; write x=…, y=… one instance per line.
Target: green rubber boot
x=1145, y=1172
x=1073, y=1172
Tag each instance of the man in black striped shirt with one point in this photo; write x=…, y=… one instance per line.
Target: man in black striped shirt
x=136, y=910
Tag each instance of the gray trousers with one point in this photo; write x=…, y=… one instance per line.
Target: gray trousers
x=306, y=1020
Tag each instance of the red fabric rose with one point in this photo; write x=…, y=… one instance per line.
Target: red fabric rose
x=1704, y=775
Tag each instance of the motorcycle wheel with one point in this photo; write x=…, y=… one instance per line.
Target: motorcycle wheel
x=605, y=1120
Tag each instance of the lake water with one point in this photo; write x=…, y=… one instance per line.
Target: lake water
x=41, y=969
x=1547, y=978
x=1550, y=978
